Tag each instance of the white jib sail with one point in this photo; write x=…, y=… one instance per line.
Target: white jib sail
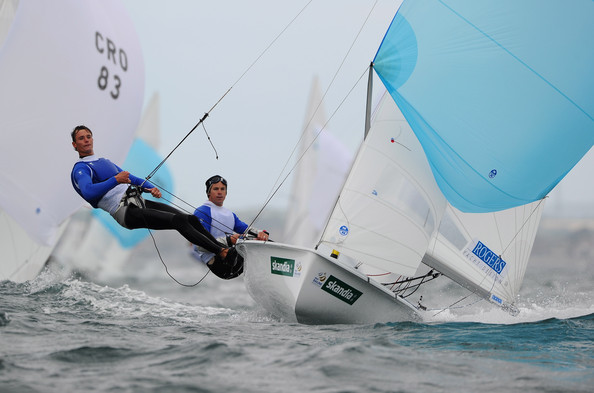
x=486, y=252
x=390, y=205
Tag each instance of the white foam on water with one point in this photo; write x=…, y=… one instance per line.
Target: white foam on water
x=483, y=312
x=129, y=303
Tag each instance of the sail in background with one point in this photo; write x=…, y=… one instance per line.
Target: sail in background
x=500, y=93
x=318, y=177
x=62, y=63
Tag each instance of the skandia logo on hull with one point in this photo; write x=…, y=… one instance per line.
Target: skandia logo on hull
x=282, y=266
x=341, y=290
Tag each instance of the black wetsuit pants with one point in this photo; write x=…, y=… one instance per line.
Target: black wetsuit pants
x=158, y=215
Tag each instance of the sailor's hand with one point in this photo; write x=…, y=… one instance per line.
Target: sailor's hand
x=123, y=177
x=262, y=235
x=155, y=192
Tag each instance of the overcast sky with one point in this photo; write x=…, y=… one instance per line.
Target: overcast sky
x=195, y=51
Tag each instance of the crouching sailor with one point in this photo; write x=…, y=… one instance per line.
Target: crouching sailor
x=223, y=224
x=106, y=186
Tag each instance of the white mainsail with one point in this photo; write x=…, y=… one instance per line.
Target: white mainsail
x=390, y=206
x=62, y=63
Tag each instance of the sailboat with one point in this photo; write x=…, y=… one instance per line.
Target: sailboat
x=486, y=110
x=54, y=76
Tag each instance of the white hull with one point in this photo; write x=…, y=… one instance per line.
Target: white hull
x=301, y=285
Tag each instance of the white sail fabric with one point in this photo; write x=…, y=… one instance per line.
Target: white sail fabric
x=63, y=63
x=320, y=173
x=390, y=205
x=22, y=257
x=7, y=11
x=486, y=252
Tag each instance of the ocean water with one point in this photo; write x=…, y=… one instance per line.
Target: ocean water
x=136, y=330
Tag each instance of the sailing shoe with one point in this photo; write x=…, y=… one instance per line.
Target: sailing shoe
x=229, y=267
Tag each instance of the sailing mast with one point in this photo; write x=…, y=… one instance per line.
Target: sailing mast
x=369, y=98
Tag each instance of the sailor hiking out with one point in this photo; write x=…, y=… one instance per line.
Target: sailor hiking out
x=106, y=186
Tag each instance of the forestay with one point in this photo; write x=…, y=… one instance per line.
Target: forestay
x=499, y=93
x=63, y=63
x=390, y=205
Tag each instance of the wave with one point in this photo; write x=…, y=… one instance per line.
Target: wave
x=56, y=294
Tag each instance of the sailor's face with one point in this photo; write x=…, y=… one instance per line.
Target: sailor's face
x=83, y=143
x=218, y=193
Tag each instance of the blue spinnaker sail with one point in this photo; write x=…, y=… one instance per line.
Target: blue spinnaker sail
x=499, y=93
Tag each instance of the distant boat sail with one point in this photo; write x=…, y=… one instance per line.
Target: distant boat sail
x=55, y=75
x=502, y=113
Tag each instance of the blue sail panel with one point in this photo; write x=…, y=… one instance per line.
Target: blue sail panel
x=499, y=93
x=141, y=159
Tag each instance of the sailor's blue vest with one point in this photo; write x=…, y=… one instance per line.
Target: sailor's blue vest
x=101, y=170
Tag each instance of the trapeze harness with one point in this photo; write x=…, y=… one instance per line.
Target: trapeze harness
x=104, y=191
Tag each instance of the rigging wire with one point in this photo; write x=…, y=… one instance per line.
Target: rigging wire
x=214, y=223
x=157, y=248
x=201, y=121
x=167, y=269
x=269, y=199
x=279, y=183
x=320, y=103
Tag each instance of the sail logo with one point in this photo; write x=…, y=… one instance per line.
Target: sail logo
x=319, y=279
x=496, y=299
x=493, y=173
x=343, y=230
x=341, y=290
x=489, y=257
x=282, y=266
x=117, y=56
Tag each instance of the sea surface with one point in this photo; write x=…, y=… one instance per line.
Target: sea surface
x=134, y=329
